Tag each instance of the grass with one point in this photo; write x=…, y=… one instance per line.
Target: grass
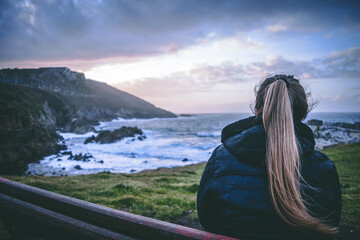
x=169, y=194
x=164, y=194
x=347, y=162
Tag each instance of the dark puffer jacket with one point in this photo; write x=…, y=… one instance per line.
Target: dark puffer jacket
x=233, y=197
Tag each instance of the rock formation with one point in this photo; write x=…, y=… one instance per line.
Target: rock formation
x=23, y=146
x=328, y=134
x=113, y=136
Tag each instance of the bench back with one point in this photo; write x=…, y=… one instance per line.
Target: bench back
x=85, y=220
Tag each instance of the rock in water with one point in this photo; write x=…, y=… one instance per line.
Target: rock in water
x=315, y=122
x=66, y=153
x=82, y=157
x=355, y=125
x=90, y=140
x=78, y=167
x=106, y=136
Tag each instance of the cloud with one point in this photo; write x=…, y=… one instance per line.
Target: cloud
x=336, y=98
x=277, y=28
x=346, y=101
x=229, y=83
x=340, y=64
x=203, y=78
x=343, y=65
x=32, y=30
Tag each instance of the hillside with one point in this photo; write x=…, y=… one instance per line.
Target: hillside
x=89, y=96
x=35, y=103
x=110, y=100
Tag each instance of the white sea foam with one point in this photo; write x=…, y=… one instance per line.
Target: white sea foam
x=103, y=124
x=109, y=124
x=125, y=156
x=209, y=134
x=68, y=135
x=168, y=142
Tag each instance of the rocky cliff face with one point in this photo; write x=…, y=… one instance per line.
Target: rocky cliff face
x=60, y=80
x=34, y=103
x=23, y=146
x=87, y=101
x=28, y=121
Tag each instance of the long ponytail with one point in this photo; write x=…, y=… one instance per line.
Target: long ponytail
x=283, y=159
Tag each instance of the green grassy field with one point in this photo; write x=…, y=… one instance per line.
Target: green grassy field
x=347, y=162
x=169, y=194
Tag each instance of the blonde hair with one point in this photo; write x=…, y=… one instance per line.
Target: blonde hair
x=276, y=99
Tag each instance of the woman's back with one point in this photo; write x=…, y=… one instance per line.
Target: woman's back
x=252, y=189
x=233, y=197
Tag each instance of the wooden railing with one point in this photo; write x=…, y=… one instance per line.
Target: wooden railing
x=32, y=212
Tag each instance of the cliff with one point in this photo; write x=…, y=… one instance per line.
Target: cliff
x=67, y=100
x=60, y=80
x=34, y=103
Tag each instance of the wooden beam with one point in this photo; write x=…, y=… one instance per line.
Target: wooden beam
x=115, y=220
x=49, y=224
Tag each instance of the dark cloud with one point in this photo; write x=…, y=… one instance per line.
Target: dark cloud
x=88, y=30
x=339, y=65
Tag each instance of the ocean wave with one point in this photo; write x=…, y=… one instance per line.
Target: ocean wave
x=209, y=134
x=115, y=123
x=69, y=135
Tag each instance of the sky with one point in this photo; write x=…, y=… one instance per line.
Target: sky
x=191, y=56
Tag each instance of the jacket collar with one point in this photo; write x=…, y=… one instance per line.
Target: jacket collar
x=239, y=126
x=246, y=139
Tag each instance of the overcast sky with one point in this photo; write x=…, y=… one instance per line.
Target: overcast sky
x=192, y=56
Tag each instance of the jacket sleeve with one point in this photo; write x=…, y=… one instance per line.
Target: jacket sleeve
x=330, y=181
x=337, y=194
x=324, y=188
x=207, y=194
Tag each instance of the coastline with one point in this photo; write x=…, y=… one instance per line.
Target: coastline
x=49, y=99
x=168, y=142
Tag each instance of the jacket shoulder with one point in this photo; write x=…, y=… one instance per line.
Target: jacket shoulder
x=225, y=188
x=216, y=161
x=318, y=163
x=224, y=162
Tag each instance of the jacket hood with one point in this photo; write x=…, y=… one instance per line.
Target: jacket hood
x=246, y=139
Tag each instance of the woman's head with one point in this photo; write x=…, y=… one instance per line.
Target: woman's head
x=297, y=95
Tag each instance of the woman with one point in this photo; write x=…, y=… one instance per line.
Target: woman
x=266, y=181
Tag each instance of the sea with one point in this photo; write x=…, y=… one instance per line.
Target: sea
x=170, y=142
